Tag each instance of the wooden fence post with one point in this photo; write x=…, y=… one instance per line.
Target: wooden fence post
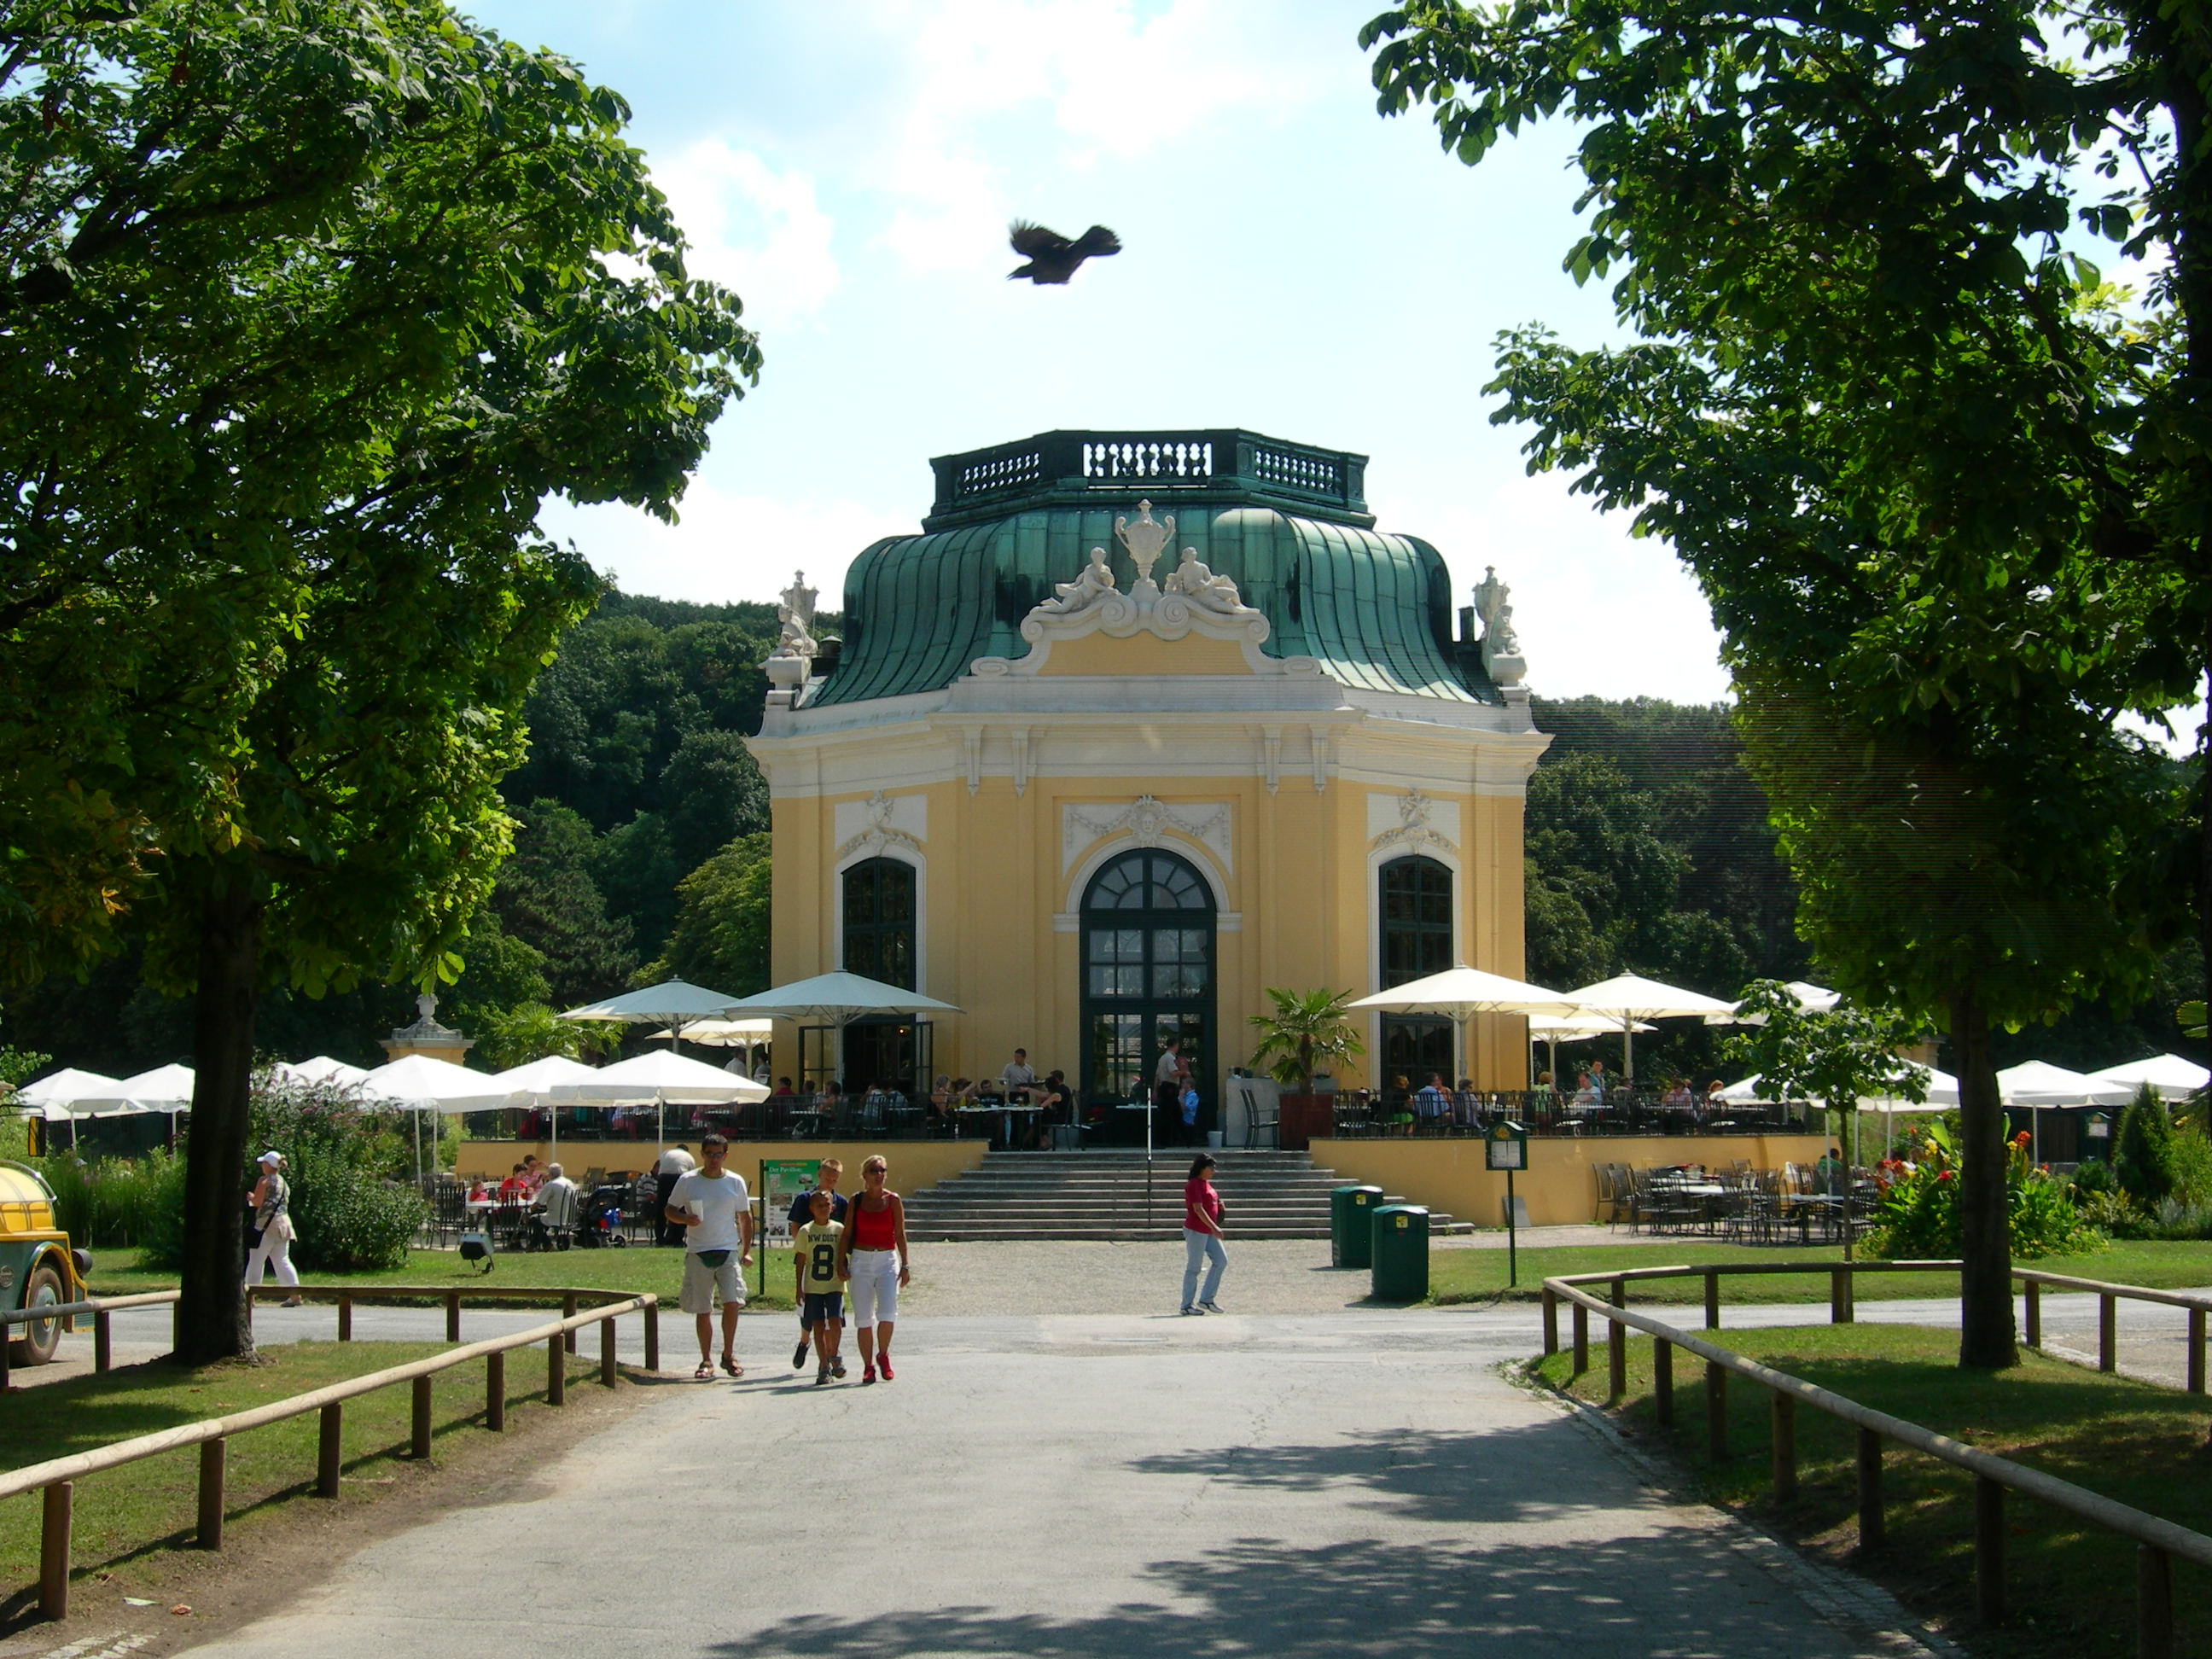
x=2031, y=1309
x=452, y=1315
x=1712, y=1300
x=214, y=1459
x=1616, y=1360
x=1716, y=1411
x=2108, y=1333
x=652, y=1335
x=556, y=1371
x=1989, y=1550
x=1662, y=1381
x=1551, y=1321
x=2153, y=1603
x=330, y=1449
x=495, y=1390
x=419, y=1444
x=54, y=1551
x=1873, y=1527
x=1783, y=1414
x=1582, y=1339
x=568, y=1311
x=103, y=1340
x=1840, y=1311
x=2196, y=1351
x=345, y=1315
x=607, y=1373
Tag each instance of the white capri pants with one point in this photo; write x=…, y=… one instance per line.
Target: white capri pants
x=273, y=1252
x=874, y=1287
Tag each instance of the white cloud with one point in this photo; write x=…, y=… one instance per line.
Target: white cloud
x=726, y=547
x=1599, y=613
x=752, y=228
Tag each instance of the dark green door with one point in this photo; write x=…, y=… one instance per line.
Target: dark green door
x=1148, y=920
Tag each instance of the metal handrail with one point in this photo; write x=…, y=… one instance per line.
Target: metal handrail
x=2158, y=1541
x=56, y=1476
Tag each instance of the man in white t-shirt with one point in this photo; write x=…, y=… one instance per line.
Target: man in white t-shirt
x=714, y=1210
x=674, y=1163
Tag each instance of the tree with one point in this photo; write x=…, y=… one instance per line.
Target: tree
x=721, y=935
x=307, y=308
x=1944, y=494
x=546, y=897
x=2143, y=1150
x=1308, y=1030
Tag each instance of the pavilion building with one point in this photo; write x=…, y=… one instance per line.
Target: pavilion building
x=1139, y=725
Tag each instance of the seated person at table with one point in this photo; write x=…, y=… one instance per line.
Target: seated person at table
x=558, y=1205
x=1832, y=1174
x=1587, y=1092
x=817, y=1288
x=783, y=1089
x=1678, y=1097
x=1430, y=1103
x=1053, y=1101
x=530, y=1173
x=517, y=1185
x=1543, y=1089
x=479, y=1193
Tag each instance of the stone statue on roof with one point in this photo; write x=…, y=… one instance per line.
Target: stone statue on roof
x=1094, y=584
x=1501, y=645
x=1145, y=537
x=1193, y=580
x=796, y=614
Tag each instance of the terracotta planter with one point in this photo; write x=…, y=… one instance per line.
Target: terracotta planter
x=1304, y=1119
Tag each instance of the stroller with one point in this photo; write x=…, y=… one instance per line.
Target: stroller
x=598, y=1218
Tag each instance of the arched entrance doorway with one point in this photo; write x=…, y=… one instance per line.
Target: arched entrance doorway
x=1148, y=923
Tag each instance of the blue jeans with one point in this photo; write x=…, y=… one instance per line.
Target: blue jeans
x=1201, y=1247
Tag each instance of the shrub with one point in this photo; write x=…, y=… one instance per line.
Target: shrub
x=2093, y=1175
x=2143, y=1152
x=347, y=1167
x=118, y=1202
x=1918, y=1214
x=2108, y=1210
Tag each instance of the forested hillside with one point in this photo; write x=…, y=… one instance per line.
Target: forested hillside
x=641, y=850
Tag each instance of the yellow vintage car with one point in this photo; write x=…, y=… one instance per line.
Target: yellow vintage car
x=38, y=1268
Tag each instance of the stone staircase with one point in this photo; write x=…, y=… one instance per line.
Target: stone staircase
x=1102, y=1194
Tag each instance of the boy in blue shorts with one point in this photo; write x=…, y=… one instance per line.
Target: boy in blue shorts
x=820, y=1293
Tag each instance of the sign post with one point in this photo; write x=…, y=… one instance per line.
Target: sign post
x=1506, y=1147
x=782, y=1180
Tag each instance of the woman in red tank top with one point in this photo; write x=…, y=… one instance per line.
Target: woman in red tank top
x=872, y=1258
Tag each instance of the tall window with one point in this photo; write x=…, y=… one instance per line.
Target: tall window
x=1414, y=910
x=1147, y=973
x=879, y=922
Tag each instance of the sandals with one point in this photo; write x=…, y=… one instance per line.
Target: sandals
x=704, y=1374
x=731, y=1366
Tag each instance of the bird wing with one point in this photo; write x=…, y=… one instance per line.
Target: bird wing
x=1097, y=242
x=1033, y=241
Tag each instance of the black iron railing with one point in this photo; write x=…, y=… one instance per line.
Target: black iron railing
x=1057, y=466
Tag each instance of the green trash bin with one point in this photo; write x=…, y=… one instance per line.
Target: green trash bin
x=1351, y=1237
x=1401, y=1252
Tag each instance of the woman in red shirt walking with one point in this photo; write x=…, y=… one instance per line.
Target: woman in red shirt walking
x=1201, y=1237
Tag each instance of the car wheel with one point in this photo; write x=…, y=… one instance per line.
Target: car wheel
x=39, y=1339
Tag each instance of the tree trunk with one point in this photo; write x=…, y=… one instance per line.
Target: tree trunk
x=1985, y=1328
x=211, y=1316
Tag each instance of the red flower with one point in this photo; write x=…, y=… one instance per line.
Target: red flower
x=1943, y=1177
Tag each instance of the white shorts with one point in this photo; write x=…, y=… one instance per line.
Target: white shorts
x=874, y=1287
x=700, y=1282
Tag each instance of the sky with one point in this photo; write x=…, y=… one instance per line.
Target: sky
x=1294, y=264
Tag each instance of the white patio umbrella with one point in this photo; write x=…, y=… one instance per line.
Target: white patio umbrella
x=418, y=1084
x=162, y=1089
x=837, y=999
x=532, y=1084
x=660, y=1078
x=675, y=1003
x=2034, y=1083
x=54, y=1096
x=1460, y=993
x=1631, y=997
x=721, y=1033
x=1813, y=998
x=321, y=1069
x=2174, y=1078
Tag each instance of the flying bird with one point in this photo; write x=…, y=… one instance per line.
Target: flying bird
x=1051, y=257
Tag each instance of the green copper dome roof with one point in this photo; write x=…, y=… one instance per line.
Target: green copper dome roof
x=1287, y=522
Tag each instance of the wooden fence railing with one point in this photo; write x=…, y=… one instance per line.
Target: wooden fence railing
x=57, y=1478
x=2158, y=1541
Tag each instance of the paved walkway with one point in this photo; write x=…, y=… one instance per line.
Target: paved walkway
x=1091, y=1488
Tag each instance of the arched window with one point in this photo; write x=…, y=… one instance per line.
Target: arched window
x=1413, y=910
x=1148, y=925
x=879, y=922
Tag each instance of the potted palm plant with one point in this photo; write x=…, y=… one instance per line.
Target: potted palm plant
x=1310, y=1032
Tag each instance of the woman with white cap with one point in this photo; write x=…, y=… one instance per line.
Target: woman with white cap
x=272, y=1204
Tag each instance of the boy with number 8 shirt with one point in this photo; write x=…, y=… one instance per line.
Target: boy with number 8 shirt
x=820, y=1293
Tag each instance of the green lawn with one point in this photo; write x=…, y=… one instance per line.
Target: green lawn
x=1459, y=1276
x=635, y=1270
x=124, y=1519
x=2071, y=1585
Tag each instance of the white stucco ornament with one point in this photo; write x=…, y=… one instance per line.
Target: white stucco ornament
x=1192, y=600
x=1147, y=821
x=882, y=824
x=1501, y=645
x=789, y=665
x=1415, y=827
